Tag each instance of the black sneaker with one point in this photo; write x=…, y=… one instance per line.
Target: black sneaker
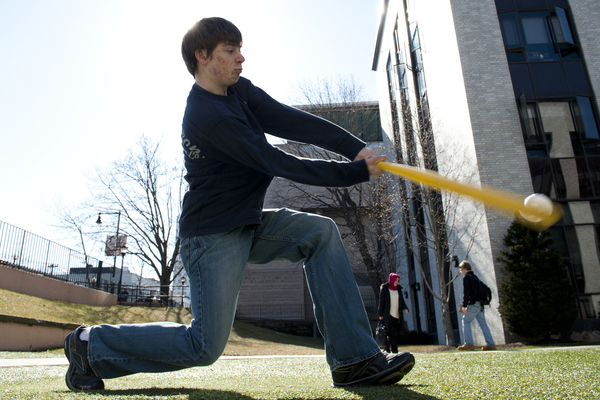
x=381, y=369
x=79, y=375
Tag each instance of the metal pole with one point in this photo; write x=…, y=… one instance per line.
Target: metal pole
x=120, y=276
x=116, y=243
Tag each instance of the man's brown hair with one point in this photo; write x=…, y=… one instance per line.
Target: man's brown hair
x=466, y=265
x=207, y=34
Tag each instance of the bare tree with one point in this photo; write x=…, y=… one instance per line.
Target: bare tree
x=435, y=223
x=147, y=191
x=74, y=222
x=362, y=212
x=442, y=228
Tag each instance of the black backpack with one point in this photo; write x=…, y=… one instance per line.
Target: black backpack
x=484, y=293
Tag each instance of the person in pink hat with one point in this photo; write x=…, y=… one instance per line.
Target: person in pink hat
x=391, y=305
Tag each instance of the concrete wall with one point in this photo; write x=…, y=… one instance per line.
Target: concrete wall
x=26, y=334
x=274, y=291
x=52, y=289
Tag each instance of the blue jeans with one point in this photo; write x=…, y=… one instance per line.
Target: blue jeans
x=475, y=311
x=215, y=266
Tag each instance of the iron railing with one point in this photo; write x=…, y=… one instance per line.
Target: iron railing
x=26, y=251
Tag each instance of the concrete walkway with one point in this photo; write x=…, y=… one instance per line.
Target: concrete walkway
x=44, y=362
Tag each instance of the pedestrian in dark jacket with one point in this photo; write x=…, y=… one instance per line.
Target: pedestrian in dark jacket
x=391, y=305
x=473, y=310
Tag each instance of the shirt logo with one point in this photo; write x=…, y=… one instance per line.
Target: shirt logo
x=190, y=149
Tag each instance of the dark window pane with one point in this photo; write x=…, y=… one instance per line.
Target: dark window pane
x=538, y=38
x=572, y=53
x=536, y=153
x=585, y=120
x=515, y=56
x=575, y=253
x=549, y=80
x=511, y=31
x=559, y=3
x=591, y=147
x=504, y=5
x=594, y=166
x=585, y=183
x=529, y=121
x=577, y=78
x=595, y=210
x=526, y=5
x=521, y=80
x=541, y=176
x=576, y=144
x=567, y=218
x=565, y=176
x=585, y=306
x=560, y=241
x=588, y=120
x=565, y=27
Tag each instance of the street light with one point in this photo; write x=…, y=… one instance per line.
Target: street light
x=183, y=290
x=123, y=252
x=99, y=222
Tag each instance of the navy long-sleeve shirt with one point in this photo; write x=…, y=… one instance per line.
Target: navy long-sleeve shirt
x=230, y=163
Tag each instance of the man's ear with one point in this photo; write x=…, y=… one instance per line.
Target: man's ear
x=201, y=56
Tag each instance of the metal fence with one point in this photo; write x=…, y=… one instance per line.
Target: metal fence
x=26, y=251
x=150, y=295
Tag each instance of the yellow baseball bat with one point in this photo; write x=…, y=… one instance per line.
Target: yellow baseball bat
x=509, y=203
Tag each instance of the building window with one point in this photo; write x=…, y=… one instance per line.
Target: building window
x=538, y=36
x=561, y=147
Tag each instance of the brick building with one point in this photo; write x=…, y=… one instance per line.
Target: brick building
x=508, y=87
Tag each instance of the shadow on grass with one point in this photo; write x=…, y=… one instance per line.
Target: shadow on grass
x=390, y=392
x=191, y=394
x=366, y=393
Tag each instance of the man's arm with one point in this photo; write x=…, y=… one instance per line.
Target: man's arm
x=293, y=124
x=367, y=154
x=467, y=283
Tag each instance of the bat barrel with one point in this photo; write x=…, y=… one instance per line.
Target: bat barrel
x=501, y=200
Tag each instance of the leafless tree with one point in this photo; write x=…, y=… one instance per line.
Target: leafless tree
x=74, y=223
x=442, y=227
x=362, y=212
x=435, y=224
x=147, y=191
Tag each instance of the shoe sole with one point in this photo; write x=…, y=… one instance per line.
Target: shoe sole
x=71, y=366
x=385, y=377
x=67, y=347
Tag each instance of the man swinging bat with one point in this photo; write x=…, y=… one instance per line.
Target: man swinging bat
x=223, y=226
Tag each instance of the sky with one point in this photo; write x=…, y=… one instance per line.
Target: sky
x=81, y=80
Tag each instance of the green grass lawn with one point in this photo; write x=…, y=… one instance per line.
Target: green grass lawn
x=521, y=373
x=517, y=374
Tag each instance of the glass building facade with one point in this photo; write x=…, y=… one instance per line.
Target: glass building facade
x=559, y=119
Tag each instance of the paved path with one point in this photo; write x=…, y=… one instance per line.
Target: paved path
x=42, y=362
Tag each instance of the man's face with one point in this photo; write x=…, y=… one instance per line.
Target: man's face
x=225, y=65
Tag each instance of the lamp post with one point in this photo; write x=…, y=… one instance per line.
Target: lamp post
x=182, y=290
x=99, y=221
x=123, y=251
